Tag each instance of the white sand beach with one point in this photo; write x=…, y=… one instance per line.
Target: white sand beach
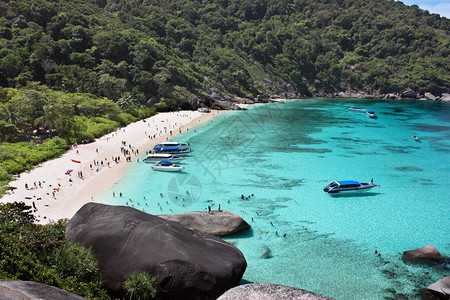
x=56, y=187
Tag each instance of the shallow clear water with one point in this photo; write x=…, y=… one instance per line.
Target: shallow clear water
x=284, y=154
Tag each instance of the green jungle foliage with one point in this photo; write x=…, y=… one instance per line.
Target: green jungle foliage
x=132, y=50
x=40, y=253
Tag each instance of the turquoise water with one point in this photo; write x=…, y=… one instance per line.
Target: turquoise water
x=284, y=154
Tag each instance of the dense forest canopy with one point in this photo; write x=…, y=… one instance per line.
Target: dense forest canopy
x=132, y=50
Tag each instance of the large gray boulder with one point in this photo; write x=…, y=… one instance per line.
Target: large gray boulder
x=441, y=287
x=268, y=291
x=29, y=290
x=409, y=94
x=218, y=223
x=445, y=97
x=188, y=264
x=430, y=96
x=422, y=255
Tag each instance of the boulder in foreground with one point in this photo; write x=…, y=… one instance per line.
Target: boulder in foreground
x=218, y=223
x=425, y=254
x=268, y=291
x=441, y=288
x=188, y=264
x=30, y=290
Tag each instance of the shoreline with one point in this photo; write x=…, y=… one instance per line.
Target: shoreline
x=56, y=189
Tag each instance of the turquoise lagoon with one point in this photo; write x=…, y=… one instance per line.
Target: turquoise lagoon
x=283, y=155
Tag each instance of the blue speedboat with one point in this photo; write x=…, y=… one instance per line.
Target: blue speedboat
x=182, y=146
x=171, y=150
x=371, y=114
x=348, y=186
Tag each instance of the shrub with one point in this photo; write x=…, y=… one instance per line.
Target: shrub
x=141, y=285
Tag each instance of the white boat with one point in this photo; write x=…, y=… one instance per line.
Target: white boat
x=356, y=108
x=155, y=157
x=371, y=114
x=179, y=145
x=348, y=186
x=171, y=150
x=167, y=166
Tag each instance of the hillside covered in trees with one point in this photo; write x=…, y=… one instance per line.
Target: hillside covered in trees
x=170, y=51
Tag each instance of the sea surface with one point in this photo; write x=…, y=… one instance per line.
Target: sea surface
x=280, y=156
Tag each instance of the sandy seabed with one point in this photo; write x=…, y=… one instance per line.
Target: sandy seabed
x=59, y=187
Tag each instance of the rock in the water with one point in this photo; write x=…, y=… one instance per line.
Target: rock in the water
x=188, y=264
x=409, y=94
x=441, y=287
x=267, y=253
x=422, y=255
x=29, y=290
x=218, y=223
x=268, y=291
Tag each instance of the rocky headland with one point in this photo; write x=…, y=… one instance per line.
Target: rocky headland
x=222, y=100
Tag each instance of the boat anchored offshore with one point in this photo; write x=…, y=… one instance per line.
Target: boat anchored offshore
x=371, y=114
x=356, y=108
x=179, y=145
x=155, y=157
x=171, y=150
x=167, y=166
x=348, y=186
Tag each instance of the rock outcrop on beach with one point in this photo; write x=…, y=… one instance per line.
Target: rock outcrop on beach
x=218, y=223
x=268, y=291
x=425, y=254
x=441, y=288
x=188, y=264
x=30, y=290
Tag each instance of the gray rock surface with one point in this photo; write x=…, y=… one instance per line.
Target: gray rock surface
x=409, y=94
x=29, y=290
x=422, y=255
x=430, y=96
x=151, y=102
x=441, y=287
x=268, y=291
x=188, y=264
x=445, y=97
x=218, y=223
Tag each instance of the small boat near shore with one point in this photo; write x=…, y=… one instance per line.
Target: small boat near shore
x=171, y=150
x=167, y=166
x=348, y=186
x=371, y=114
x=179, y=145
x=155, y=157
x=356, y=108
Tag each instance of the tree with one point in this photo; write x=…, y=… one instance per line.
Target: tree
x=9, y=113
x=49, y=118
x=7, y=129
